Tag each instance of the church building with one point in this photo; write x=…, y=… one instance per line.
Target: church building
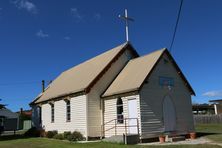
x=118, y=92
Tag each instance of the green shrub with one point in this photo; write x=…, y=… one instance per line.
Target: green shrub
x=69, y=137
x=66, y=134
x=75, y=136
x=59, y=136
x=51, y=134
x=32, y=132
x=42, y=133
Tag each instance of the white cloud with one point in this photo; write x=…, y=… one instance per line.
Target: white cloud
x=214, y=93
x=41, y=34
x=27, y=5
x=75, y=13
x=97, y=16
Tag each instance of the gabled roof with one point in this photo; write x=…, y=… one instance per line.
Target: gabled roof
x=83, y=76
x=136, y=71
x=4, y=112
x=216, y=101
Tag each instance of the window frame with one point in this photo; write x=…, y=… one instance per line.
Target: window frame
x=52, y=113
x=68, y=110
x=164, y=79
x=119, y=111
x=40, y=114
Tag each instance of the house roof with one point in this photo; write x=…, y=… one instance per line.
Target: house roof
x=202, y=106
x=219, y=100
x=25, y=112
x=81, y=77
x=136, y=71
x=133, y=74
x=4, y=112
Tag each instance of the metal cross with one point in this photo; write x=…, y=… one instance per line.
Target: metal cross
x=126, y=18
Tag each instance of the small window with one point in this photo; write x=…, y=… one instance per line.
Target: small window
x=119, y=109
x=1, y=121
x=166, y=81
x=68, y=111
x=52, y=113
x=40, y=115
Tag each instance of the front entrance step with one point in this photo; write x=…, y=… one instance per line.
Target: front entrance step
x=128, y=139
x=131, y=139
x=175, y=138
x=115, y=139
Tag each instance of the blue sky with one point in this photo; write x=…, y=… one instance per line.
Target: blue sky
x=41, y=38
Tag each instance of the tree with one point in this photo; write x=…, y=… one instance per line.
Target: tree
x=2, y=105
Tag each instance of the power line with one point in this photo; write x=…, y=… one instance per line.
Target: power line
x=175, y=29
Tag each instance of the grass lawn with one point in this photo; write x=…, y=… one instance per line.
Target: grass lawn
x=51, y=143
x=211, y=131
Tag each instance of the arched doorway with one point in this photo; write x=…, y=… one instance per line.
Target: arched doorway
x=169, y=115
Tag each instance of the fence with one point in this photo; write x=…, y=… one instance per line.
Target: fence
x=27, y=124
x=206, y=119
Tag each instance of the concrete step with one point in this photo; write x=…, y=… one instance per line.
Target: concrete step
x=115, y=139
x=175, y=138
x=129, y=139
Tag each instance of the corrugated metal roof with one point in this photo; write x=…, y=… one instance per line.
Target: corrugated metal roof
x=8, y=113
x=219, y=100
x=79, y=77
x=133, y=74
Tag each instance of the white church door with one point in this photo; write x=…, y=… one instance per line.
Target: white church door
x=169, y=115
x=132, y=115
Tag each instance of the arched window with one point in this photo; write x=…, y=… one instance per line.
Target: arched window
x=119, y=110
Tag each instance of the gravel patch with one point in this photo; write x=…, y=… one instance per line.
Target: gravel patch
x=201, y=140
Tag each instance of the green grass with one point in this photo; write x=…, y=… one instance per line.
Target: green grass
x=51, y=143
x=211, y=131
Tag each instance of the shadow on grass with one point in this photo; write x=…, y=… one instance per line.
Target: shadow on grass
x=203, y=134
x=32, y=132
x=12, y=137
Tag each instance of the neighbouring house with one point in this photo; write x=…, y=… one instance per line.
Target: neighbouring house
x=25, y=117
x=9, y=121
x=26, y=113
x=203, y=109
x=118, y=92
x=217, y=106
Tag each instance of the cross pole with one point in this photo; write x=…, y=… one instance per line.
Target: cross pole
x=126, y=19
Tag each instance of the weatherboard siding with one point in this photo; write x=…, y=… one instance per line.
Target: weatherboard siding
x=110, y=114
x=151, y=101
x=219, y=108
x=78, y=116
x=95, y=117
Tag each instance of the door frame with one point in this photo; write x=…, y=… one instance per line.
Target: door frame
x=174, y=107
x=136, y=126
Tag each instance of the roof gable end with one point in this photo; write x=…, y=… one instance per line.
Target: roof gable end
x=133, y=76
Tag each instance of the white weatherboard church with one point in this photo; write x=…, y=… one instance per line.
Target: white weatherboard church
x=118, y=92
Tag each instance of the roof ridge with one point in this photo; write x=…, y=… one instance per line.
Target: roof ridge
x=162, y=49
x=85, y=86
x=123, y=45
